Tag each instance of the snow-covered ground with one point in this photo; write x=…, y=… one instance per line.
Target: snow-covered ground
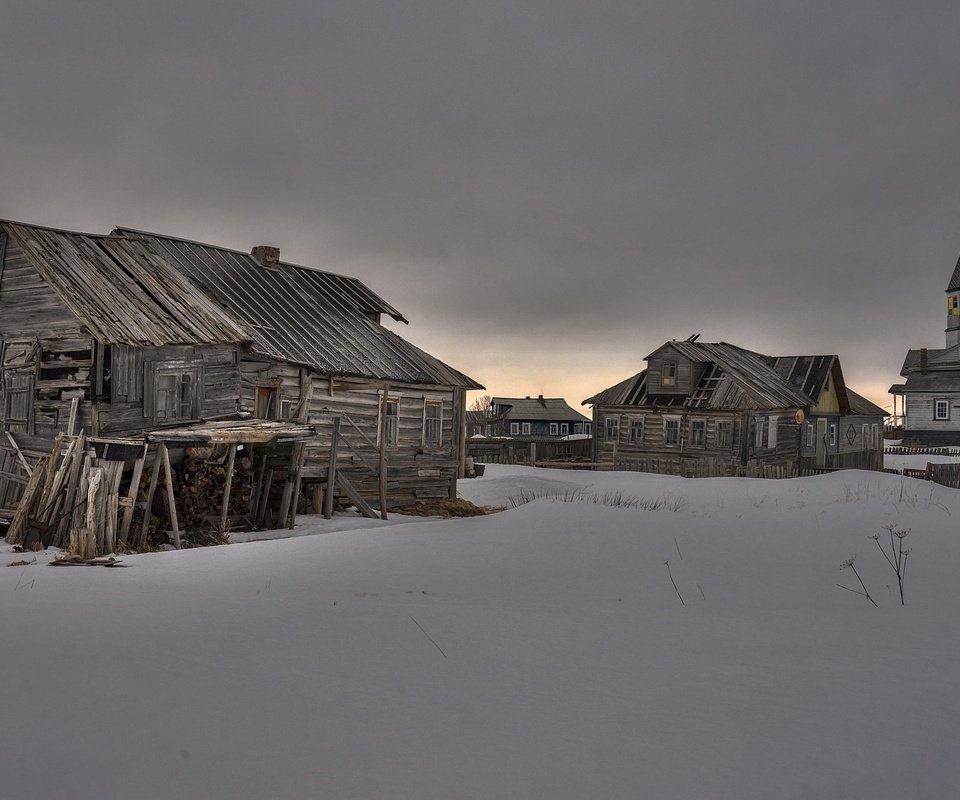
x=541, y=652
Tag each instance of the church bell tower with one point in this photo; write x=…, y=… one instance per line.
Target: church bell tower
x=953, y=308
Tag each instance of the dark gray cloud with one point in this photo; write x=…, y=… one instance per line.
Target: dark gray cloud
x=547, y=189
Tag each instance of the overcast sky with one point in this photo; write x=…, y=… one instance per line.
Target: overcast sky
x=547, y=190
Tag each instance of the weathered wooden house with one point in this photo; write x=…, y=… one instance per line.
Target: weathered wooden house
x=927, y=404
x=140, y=336
x=714, y=409
x=538, y=417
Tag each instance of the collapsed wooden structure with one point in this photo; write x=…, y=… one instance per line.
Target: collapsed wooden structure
x=167, y=347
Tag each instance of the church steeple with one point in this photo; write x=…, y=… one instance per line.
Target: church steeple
x=953, y=308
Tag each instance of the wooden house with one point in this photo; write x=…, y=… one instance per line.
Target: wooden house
x=927, y=404
x=139, y=336
x=714, y=409
x=534, y=417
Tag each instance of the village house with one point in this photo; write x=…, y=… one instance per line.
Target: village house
x=714, y=409
x=926, y=406
x=534, y=417
x=137, y=336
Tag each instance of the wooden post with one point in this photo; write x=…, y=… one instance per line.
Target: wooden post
x=171, y=497
x=264, y=498
x=382, y=477
x=72, y=423
x=331, y=469
x=20, y=458
x=131, y=499
x=88, y=535
x=297, y=483
x=151, y=491
x=231, y=460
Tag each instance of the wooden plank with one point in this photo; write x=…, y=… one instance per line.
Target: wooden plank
x=18, y=526
x=171, y=497
x=16, y=449
x=382, y=471
x=331, y=471
x=231, y=460
x=151, y=491
x=124, y=533
x=362, y=505
x=72, y=423
x=297, y=483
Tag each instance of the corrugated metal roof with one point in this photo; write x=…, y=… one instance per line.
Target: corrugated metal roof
x=150, y=290
x=122, y=291
x=305, y=316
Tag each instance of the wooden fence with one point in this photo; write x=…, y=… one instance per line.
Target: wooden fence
x=922, y=451
x=549, y=452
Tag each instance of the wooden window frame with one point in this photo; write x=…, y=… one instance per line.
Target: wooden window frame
x=672, y=424
x=611, y=425
x=945, y=417
x=724, y=431
x=564, y=428
x=514, y=428
x=525, y=429
x=432, y=431
x=671, y=378
x=186, y=410
x=700, y=424
x=554, y=428
x=636, y=426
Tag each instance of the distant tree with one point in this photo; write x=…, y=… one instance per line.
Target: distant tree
x=481, y=404
x=477, y=415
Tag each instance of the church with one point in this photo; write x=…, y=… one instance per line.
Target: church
x=928, y=401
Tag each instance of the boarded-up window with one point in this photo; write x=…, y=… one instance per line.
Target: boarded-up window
x=18, y=401
x=772, y=431
x=267, y=402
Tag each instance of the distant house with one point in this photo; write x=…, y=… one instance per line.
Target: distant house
x=534, y=417
x=714, y=409
x=151, y=337
x=927, y=403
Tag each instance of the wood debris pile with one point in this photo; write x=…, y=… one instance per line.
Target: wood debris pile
x=73, y=500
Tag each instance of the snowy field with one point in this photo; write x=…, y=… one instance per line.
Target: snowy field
x=541, y=652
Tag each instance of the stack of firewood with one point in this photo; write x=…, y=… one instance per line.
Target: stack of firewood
x=200, y=480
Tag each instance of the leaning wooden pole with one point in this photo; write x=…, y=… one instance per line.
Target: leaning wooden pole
x=225, y=507
x=171, y=496
x=382, y=478
x=331, y=470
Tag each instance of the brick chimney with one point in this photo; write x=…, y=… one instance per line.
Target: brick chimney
x=923, y=360
x=266, y=256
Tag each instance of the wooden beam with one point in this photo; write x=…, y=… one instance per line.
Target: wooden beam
x=171, y=497
x=297, y=483
x=382, y=470
x=151, y=491
x=131, y=499
x=16, y=449
x=231, y=460
x=355, y=497
x=331, y=469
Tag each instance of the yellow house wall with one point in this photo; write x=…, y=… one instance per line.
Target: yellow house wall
x=828, y=402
